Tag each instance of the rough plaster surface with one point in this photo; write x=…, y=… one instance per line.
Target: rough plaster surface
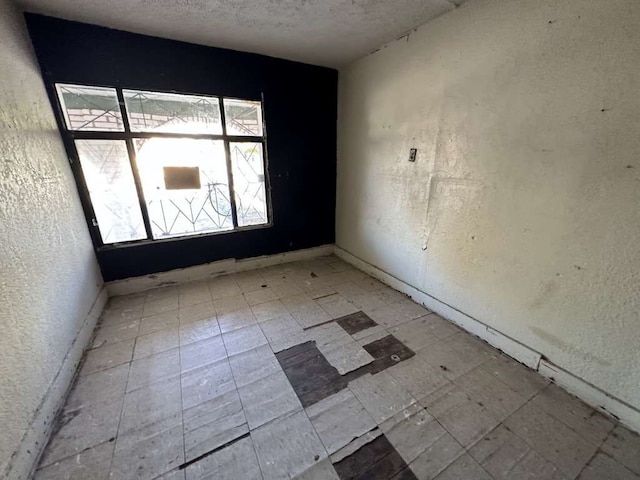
x=522, y=209
x=327, y=32
x=49, y=277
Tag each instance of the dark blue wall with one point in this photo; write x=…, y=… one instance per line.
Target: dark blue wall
x=300, y=108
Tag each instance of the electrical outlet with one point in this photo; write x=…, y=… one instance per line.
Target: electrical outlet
x=412, y=154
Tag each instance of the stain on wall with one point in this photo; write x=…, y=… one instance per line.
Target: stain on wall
x=520, y=210
x=568, y=347
x=49, y=277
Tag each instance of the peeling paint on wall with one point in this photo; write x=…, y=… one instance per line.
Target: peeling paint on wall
x=445, y=195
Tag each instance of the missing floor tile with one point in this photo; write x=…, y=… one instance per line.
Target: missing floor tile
x=377, y=459
x=313, y=378
x=356, y=322
x=356, y=444
x=387, y=351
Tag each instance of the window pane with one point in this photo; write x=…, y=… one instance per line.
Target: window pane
x=173, y=113
x=90, y=108
x=243, y=117
x=185, y=185
x=107, y=172
x=247, y=164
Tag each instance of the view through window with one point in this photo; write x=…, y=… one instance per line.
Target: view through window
x=164, y=165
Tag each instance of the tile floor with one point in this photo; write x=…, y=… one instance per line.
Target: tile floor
x=313, y=370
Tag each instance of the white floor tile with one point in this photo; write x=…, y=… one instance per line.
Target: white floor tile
x=253, y=365
x=288, y=446
x=237, y=461
x=338, y=419
x=267, y=399
x=381, y=395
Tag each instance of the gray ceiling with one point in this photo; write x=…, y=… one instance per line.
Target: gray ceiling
x=321, y=32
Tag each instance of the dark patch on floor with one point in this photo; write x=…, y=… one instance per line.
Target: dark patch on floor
x=63, y=419
x=313, y=378
x=377, y=460
x=310, y=374
x=356, y=322
x=387, y=352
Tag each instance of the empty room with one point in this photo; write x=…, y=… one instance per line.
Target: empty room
x=320, y=240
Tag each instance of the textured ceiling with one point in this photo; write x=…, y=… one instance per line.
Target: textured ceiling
x=321, y=32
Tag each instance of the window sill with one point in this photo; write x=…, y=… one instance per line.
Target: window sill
x=147, y=242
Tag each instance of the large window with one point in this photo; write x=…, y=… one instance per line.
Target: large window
x=163, y=165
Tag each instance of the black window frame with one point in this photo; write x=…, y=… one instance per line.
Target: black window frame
x=69, y=137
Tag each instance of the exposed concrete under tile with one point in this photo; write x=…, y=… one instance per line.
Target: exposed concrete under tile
x=377, y=459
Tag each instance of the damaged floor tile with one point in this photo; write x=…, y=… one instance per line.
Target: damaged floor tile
x=288, y=446
x=314, y=371
x=381, y=395
x=412, y=431
x=338, y=419
x=376, y=459
x=235, y=461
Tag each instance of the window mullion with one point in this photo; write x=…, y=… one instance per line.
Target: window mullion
x=265, y=163
x=134, y=165
x=227, y=152
x=85, y=197
x=100, y=135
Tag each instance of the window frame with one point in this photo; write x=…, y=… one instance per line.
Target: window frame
x=69, y=137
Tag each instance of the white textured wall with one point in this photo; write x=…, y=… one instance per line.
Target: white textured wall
x=49, y=277
x=523, y=208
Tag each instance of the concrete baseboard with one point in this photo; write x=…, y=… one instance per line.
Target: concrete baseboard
x=511, y=347
x=588, y=393
x=209, y=270
x=592, y=395
x=25, y=459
